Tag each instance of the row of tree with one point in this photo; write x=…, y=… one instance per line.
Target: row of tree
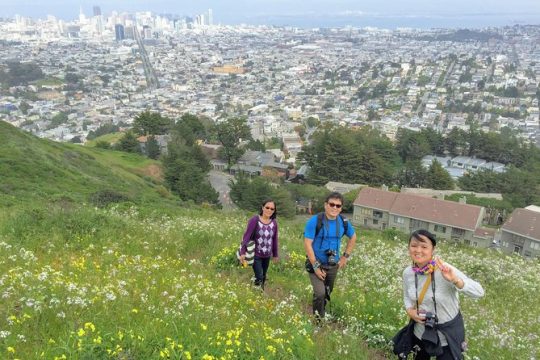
x=366, y=156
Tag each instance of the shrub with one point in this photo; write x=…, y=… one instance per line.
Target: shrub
x=103, y=198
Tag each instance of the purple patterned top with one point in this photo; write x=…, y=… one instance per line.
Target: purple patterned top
x=266, y=237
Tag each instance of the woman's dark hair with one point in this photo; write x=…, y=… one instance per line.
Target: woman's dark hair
x=266, y=201
x=416, y=234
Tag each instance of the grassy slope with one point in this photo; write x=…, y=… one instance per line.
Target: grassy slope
x=157, y=276
x=33, y=169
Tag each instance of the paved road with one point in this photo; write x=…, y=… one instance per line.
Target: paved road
x=220, y=182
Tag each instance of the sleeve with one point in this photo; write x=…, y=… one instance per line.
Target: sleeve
x=470, y=287
x=275, y=243
x=407, y=301
x=251, y=225
x=309, y=229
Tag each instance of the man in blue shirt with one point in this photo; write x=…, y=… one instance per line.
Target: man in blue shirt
x=323, y=250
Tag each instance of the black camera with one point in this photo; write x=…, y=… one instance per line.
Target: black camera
x=331, y=256
x=431, y=319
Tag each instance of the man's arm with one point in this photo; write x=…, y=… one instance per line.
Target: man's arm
x=308, y=245
x=350, y=246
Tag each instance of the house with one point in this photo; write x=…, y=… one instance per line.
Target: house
x=342, y=188
x=162, y=140
x=520, y=234
x=380, y=209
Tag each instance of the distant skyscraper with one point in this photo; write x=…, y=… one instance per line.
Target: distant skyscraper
x=147, y=32
x=210, y=17
x=119, y=32
x=97, y=10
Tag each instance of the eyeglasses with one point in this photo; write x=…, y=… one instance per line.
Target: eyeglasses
x=269, y=208
x=337, y=206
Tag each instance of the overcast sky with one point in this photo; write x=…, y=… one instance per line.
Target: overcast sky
x=259, y=11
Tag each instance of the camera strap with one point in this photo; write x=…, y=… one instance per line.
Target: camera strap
x=420, y=298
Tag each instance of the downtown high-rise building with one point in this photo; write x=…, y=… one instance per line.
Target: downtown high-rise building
x=119, y=32
x=97, y=10
x=210, y=17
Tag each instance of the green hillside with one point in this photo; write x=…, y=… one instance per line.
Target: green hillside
x=155, y=280
x=38, y=170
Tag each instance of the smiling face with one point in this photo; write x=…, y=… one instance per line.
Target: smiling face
x=421, y=250
x=332, y=208
x=268, y=209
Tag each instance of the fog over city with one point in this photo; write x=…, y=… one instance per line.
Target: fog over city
x=383, y=14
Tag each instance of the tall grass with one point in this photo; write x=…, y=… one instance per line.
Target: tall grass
x=128, y=283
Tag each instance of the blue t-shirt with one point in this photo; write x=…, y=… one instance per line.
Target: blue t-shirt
x=326, y=239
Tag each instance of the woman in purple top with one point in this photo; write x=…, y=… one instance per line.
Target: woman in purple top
x=264, y=229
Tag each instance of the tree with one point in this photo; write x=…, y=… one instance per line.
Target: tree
x=249, y=194
x=456, y=142
x=190, y=128
x=151, y=123
x=412, y=175
x=411, y=145
x=152, y=147
x=438, y=178
x=185, y=171
x=24, y=107
x=313, y=122
x=230, y=133
x=129, y=143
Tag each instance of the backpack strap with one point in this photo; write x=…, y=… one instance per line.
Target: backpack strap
x=320, y=217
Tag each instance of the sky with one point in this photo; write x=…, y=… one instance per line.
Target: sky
x=305, y=13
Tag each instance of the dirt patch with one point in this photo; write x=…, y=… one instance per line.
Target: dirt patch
x=152, y=170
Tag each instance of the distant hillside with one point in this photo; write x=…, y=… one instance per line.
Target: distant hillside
x=38, y=170
x=463, y=35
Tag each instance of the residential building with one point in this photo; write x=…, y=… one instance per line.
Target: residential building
x=520, y=234
x=380, y=209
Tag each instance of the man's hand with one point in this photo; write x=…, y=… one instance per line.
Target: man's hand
x=275, y=260
x=342, y=262
x=320, y=273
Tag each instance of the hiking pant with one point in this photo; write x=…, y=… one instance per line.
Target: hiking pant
x=322, y=289
x=260, y=267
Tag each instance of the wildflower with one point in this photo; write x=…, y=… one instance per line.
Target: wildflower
x=11, y=350
x=203, y=326
x=81, y=332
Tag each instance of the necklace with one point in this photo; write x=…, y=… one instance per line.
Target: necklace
x=426, y=269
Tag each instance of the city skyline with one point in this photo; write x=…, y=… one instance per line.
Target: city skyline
x=320, y=13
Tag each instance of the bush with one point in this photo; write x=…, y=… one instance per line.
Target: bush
x=103, y=198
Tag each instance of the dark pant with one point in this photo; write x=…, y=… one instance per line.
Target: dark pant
x=422, y=355
x=322, y=289
x=260, y=267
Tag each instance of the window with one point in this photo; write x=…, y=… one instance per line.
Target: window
x=467, y=242
x=365, y=211
x=418, y=224
x=365, y=222
x=375, y=221
x=535, y=245
x=440, y=228
x=399, y=219
x=377, y=214
x=475, y=244
x=458, y=232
